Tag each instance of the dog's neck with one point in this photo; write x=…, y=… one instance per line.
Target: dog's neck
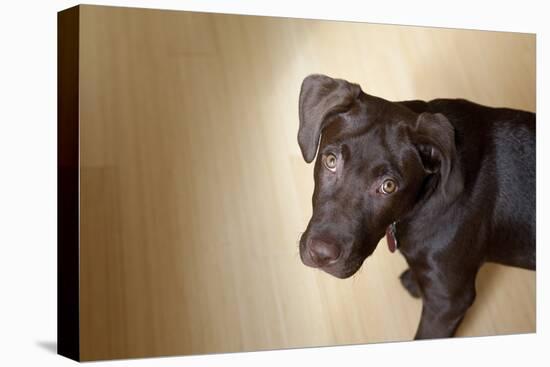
x=428, y=215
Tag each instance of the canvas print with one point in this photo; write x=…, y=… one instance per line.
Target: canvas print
x=232, y=183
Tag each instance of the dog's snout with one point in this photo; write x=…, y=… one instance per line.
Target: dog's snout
x=323, y=253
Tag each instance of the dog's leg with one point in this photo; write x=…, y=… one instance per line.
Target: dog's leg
x=442, y=310
x=410, y=284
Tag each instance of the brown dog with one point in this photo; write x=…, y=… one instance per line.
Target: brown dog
x=449, y=182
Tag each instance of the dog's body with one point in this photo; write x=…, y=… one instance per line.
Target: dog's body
x=451, y=184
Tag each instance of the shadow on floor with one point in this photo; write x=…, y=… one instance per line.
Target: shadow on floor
x=50, y=346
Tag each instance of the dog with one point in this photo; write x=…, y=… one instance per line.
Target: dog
x=450, y=183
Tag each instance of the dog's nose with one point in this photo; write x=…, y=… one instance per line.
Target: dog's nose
x=323, y=253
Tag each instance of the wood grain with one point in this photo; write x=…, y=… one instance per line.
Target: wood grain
x=194, y=193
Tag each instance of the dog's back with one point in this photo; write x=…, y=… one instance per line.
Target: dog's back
x=496, y=147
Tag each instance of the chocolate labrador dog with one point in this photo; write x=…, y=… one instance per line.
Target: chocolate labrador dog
x=450, y=183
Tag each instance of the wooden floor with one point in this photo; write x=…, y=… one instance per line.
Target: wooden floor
x=194, y=192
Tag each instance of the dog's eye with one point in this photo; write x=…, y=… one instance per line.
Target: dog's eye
x=388, y=186
x=330, y=161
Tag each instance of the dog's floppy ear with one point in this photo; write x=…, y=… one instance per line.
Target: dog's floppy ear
x=321, y=98
x=434, y=137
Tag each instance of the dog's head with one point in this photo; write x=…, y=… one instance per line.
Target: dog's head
x=376, y=161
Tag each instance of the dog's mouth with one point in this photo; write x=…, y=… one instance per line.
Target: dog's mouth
x=350, y=269
x=350, y=261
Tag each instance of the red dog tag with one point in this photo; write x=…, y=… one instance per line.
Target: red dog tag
x=390, y=237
